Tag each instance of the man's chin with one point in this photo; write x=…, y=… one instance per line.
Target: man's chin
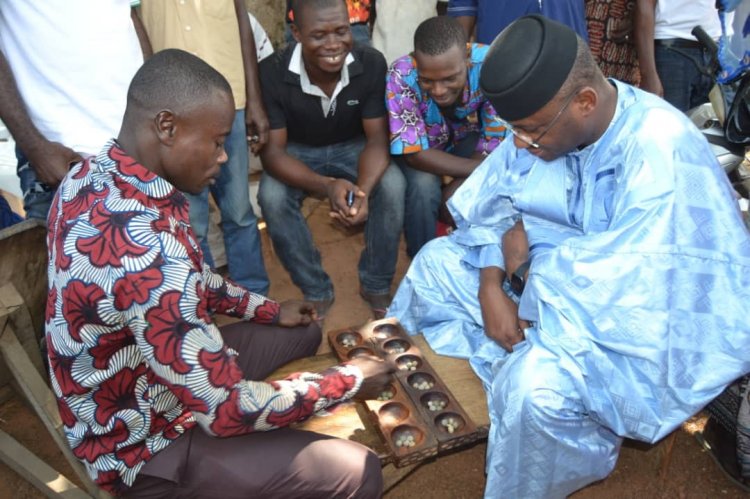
x=446, y=104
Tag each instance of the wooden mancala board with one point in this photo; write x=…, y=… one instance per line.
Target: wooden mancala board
x=417, y=416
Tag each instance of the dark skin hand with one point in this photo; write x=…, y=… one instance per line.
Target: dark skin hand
x=51, y=161
x=373, y=161
x=348, y=216
x=377, y=376
x=256, y=119
x=499, y=312
x=296, y=313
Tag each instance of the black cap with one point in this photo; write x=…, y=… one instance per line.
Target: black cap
x=527, y=65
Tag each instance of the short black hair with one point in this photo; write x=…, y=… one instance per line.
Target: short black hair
x=299, y=6
x=174, y=79
x=437, y=35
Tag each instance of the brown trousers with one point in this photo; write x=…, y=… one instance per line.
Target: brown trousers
x=282, y=463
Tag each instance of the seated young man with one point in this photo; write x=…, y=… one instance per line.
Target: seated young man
x=144, y=379
x=603, y=213
x=440, y=122
x=324, y=98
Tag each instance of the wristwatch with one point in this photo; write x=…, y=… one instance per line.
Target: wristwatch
x=518, y=277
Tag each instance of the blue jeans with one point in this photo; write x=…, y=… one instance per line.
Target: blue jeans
x=238, y=222
x=684, y=85
x=423, y=197
x=291, y=236
x=37, y=197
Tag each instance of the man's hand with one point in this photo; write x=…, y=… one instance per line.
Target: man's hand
x=500, y=316
x=257, y=125
x=51, y=161
x=349, y=216
x=296, y=313
x=377, y=376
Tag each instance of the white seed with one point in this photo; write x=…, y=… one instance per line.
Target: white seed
x=348, y=342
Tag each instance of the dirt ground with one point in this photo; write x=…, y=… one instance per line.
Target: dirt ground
x=691, y=473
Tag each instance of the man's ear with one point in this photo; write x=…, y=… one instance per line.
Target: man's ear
x=165, y=122
x=586, y=101
x=295, y=32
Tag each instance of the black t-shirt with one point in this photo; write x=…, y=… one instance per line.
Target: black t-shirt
x=302, y=114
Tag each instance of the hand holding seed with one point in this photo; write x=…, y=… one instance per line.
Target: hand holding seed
x=377, y=376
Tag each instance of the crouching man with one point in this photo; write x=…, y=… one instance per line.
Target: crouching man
x=145, y=380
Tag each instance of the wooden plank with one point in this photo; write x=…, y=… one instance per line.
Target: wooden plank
x=23, y=263
x=51, y=483
x=20, y=317
x=41, y=399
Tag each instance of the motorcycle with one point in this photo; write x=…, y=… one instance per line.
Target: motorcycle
x=725, y=121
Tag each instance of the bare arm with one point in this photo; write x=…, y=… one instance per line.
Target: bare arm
x=140, y=31
x=50, y=160
x=374, y=158
x=467, y=23
x=442, y=163
x=255, y=114
x=644, y=45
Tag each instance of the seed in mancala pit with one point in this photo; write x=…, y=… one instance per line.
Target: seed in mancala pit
x=385, y=395
x=436, y=405
x=450, y=424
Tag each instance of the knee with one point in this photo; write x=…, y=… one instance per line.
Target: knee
x=273, y=197
x=536, y=393
x=424, y=186
x=392, y=186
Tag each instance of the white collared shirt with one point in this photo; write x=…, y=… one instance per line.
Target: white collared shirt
x=297, y=66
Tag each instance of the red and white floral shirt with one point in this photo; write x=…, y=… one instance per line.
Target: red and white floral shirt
x=135, y=358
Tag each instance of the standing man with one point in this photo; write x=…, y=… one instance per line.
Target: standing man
x=329, y=138
x=670, y=58
x=490, y=17
x=611, y=221
x=440, y=122
x=219, y=32
x=155, y=399
x=63, y=87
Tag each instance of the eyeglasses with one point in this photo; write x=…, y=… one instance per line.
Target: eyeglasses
x=534, y=144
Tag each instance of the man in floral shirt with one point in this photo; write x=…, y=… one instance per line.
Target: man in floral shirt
x=440, y=122
x=135, y=358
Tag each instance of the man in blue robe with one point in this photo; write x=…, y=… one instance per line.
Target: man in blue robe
x=631, y=313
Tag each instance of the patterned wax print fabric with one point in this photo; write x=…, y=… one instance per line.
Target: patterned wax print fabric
x=609, y=24
x=637, y=293
x=416, y=122
x=134, y=356
x=734, y=45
